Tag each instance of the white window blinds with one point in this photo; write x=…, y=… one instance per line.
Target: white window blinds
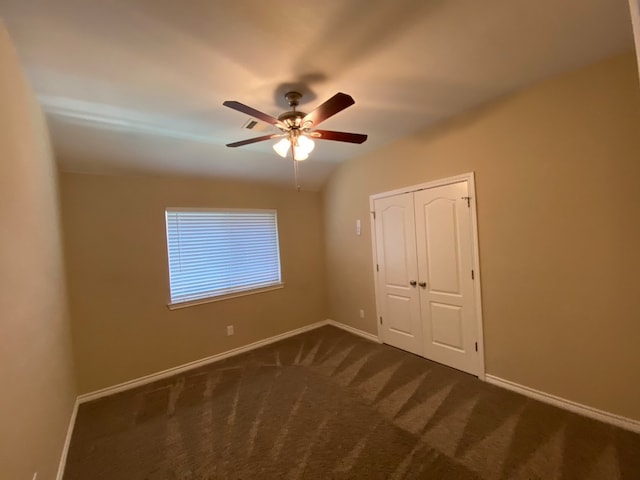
x=214, y=252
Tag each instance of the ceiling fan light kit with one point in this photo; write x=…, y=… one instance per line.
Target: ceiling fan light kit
x=297, y=127
x=301, y=147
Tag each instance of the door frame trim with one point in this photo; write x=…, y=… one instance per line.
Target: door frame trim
x=470, y=178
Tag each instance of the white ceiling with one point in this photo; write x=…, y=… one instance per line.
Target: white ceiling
x=136, y=86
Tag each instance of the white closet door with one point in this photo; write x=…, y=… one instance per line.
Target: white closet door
x=398, y=300
x=445, y=262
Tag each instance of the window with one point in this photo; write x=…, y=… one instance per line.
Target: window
x=215, y=254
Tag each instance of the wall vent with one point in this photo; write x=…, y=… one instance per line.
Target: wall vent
x=255, y=125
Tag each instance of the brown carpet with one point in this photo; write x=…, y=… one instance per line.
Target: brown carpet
x=328, y=405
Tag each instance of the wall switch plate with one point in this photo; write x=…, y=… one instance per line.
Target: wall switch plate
x=361, y=313
x=229, y=330
x=358, y=227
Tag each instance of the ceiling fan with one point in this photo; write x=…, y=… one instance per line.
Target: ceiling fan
x=298, y=128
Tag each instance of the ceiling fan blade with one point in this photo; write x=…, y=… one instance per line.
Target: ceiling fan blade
x=253, y=140
x=335, y=104
x=340, y=136
x=241, y=107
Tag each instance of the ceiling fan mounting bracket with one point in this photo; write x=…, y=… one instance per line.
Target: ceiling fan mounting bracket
x=293, y=99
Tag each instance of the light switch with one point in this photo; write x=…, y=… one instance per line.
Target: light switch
x=358, y=227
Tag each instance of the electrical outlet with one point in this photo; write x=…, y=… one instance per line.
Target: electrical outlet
x=361, y=313
x=229, y=330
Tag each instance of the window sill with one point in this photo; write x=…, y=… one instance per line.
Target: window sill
x=219, y=298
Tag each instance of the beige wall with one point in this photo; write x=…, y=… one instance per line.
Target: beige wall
x=118, y=277
x=557, y=171
x=36, y=371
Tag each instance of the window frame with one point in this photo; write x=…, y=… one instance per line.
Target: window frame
x=174, y=305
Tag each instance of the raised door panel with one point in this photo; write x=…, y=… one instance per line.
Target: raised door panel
x=398, y=315
x=395, y=244
x=446, y=325
x=442, y=253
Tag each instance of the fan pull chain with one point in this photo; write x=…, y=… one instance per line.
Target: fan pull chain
x=295, y=174
x=295, y=165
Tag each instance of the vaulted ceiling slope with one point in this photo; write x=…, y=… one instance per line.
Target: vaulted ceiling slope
x=136, y=86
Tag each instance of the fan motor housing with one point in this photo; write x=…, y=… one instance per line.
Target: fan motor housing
x=292, y=118
x=293, y=123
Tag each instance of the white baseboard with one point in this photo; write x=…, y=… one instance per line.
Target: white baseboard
x=355, y=331
x=67, y=441
x=121, y=387
x=601, y=415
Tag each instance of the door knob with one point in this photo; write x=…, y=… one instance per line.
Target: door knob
x=423, y=284
x=412, y=283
